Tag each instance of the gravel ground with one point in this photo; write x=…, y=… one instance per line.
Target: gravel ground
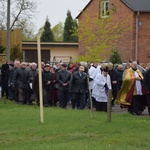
x=116, y=108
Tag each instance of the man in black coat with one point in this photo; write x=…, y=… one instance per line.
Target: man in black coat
x=10, y=75
x=14, y=86
x=79, y=86
x=63, y=78
x=119, y=72
x=146, y=84
x=5, y=77
x=113, y=77
x=32, y=72
x=47, y=79
x=21, y=77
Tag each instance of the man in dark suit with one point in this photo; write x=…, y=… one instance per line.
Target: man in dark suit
x=21, y=77
x=5, y=77
x=146, y=84
x=63, y=78
x=113, y=77
x=47, y=79
x=79, y=86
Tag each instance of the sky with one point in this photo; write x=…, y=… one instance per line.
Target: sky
x=56, y=10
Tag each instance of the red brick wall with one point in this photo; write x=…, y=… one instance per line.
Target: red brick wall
x=92, y=11
x=144, y=38
x=126, y=43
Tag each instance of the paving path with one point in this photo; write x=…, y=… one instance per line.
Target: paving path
x=116, y=108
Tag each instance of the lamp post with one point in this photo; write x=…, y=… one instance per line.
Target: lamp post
x=8, y=32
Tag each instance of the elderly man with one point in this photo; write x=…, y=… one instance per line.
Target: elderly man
x=47, y=79
x=113, y=77
x=63, y=78
x=79, y=86
x=14, y=87
x=21, y=77
x=119, y=72
x=32, y=72
x=130, y=95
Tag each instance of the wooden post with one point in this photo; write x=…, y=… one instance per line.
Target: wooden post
x=90, y=96
x=40, y=79
x=109, y=105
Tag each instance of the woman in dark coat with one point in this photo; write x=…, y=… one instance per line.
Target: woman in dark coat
x=35, y=87
x=54, y=89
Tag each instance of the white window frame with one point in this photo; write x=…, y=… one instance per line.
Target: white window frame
x=105, y=7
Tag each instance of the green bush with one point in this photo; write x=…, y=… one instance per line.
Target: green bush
x=15, y=53
x=1, y=48
x=115, y=57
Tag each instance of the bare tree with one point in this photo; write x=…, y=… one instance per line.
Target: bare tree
x=3, y=14
x=22, y=13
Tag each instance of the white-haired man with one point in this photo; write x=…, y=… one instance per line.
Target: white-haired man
x=21, y=77
x=32, y=72
x=130, y=95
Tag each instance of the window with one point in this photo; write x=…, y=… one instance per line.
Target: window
x=104, y=11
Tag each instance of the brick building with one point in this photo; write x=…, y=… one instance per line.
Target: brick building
x=135, y=43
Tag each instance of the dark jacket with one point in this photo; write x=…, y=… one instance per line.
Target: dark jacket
x=113, y=77
x=32, y=73
x=119, y=78
x=63, y=76
x=4, y=76
x=21, y=77
x=78, y=84
x=12, y=76
x=146, y=81
x=4, y=69
x=47, y=76
x=35, y=85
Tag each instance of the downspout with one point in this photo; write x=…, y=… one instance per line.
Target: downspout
x=136, y=36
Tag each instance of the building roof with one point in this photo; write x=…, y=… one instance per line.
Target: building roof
x=138, y=5
x=134, y=5
x=30, y=44
x=84, y=9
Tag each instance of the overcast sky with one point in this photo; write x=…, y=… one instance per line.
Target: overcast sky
x=56, y=10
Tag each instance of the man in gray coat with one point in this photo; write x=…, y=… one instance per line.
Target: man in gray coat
x=63, y=78
x=21, y=77
x=79, y=86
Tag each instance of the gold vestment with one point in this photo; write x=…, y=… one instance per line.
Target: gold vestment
x=128, y=88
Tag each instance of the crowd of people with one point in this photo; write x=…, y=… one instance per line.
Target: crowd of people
x=77, y=84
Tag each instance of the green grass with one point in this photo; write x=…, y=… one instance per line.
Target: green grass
x=66, y=129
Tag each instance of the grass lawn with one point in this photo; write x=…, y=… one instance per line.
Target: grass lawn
x=67, y=129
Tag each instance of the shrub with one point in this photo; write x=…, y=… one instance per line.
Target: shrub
x=115, y=57
x=15, y=53
x=1, y=48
